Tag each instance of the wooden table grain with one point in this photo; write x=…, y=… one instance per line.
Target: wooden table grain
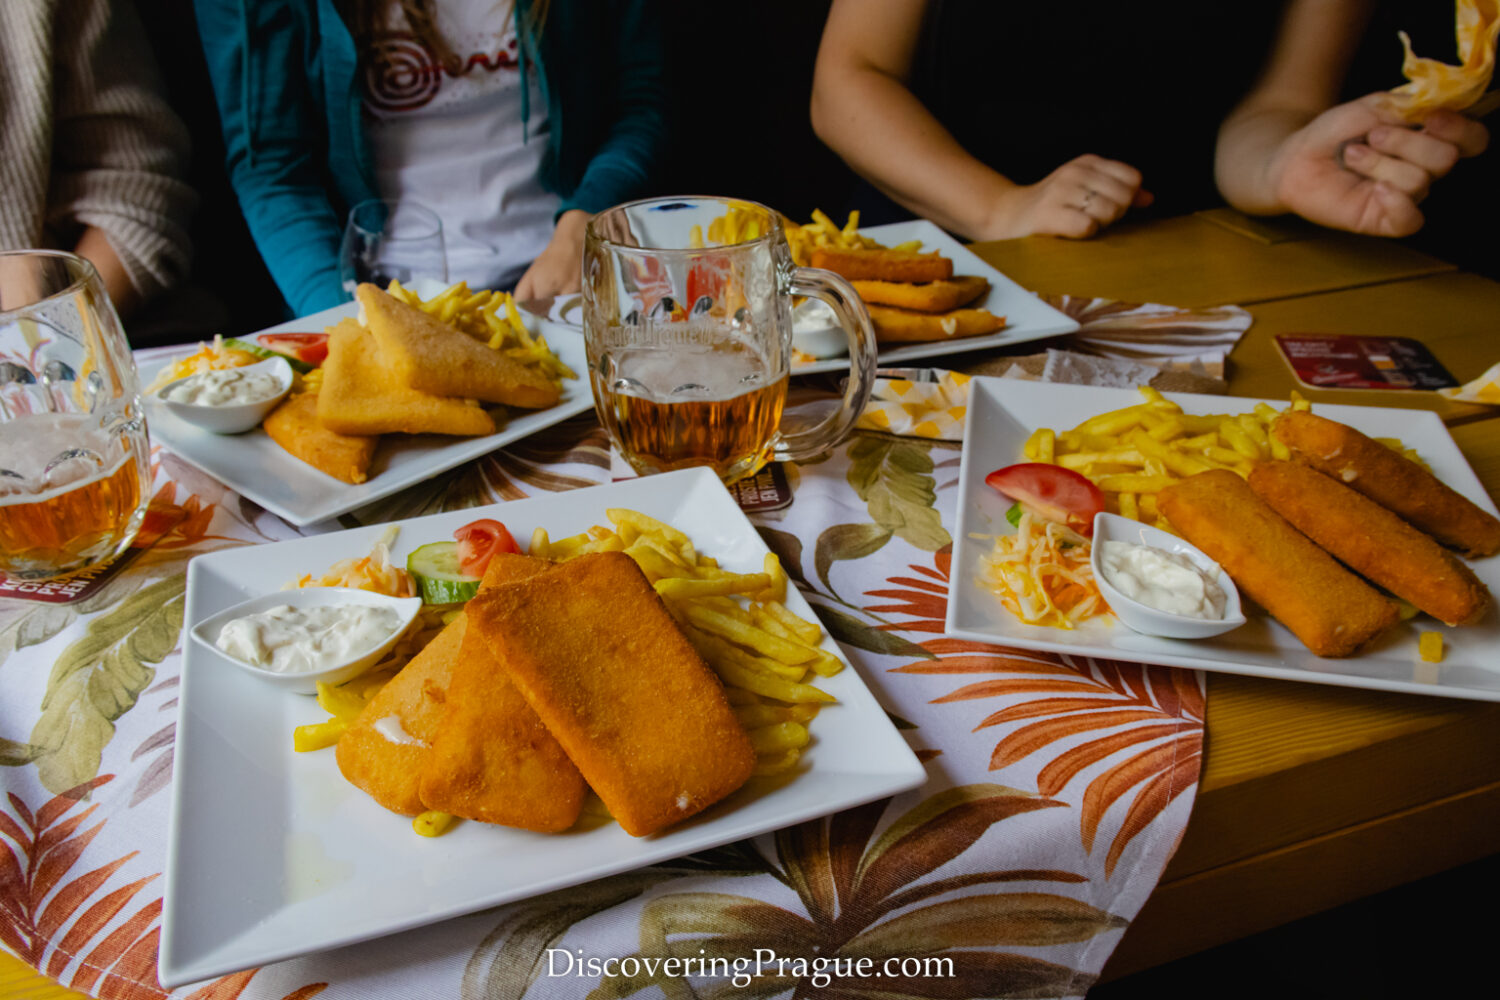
x=1310, y=796
x=1193, y=262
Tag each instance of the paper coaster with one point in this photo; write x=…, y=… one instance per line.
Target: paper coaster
x=1341, y=361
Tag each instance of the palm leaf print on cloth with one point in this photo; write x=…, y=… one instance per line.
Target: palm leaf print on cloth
x=1123, y=727
x=868, y=893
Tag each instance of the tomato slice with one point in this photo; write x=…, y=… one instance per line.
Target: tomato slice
x=309, y=347
x=1052, y=492
x=478, y=541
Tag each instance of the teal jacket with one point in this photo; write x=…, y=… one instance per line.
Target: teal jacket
x=284, y=77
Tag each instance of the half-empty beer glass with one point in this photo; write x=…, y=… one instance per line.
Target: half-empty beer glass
x=74, y=462
x=687, y=315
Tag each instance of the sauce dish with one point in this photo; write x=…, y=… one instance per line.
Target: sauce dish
x=206, y=633
x=232, y=418
x=1142, y=617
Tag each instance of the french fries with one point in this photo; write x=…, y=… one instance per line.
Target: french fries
x=1135, y=452
x=490, y=317
x=765, y=654
x=821, y=232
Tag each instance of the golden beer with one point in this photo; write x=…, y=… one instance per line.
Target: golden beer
x=86, y=518
x=734, y=435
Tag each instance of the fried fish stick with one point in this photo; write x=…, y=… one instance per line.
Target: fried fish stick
x=927, y=296
x=1394, y=481
x=1330, y=609
x=598, y=657
x=1372, y=541
x=492, y=759
x=384, y=750
x=883, y=265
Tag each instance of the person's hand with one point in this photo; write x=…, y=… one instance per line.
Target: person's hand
x=1076, y=200
x=559, y=267
x=1359, y=167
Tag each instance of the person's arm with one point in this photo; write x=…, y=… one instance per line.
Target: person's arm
x=93, y=246
x=255, y=55
x=119, y=154
x=864, y=110
x=621, y=167
x=1288, y=147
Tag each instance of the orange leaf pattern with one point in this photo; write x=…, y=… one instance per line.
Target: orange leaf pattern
x=1057, y=786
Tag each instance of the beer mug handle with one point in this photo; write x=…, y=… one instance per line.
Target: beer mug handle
x=852, y=315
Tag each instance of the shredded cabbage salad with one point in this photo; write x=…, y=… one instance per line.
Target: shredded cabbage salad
x=374, y=572
x=1042, y=574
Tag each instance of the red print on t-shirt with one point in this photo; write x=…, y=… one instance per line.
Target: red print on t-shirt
x=402, y=73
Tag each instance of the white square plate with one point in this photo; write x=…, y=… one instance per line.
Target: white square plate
x=272, y=854
x=254, y=466
x=1004, y=412
x=1027, y=316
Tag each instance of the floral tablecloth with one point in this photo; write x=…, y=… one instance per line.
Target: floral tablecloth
x=1058, y=787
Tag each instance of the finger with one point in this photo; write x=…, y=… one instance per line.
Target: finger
x=1143, y=199
x=1100, y=207
x=526, y=287
x=1124, y=173
x=1391, y=213
x=1432, y=154
x=1471, y=137
x=1069, y=221
x=1407, y=178
x=1110, y=189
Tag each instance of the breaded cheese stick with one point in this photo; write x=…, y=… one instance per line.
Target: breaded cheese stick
x=1372, y=541
x=1394, y=481
x=883, y=265
x=492, y=759
x=599, y=658
x=1330, y=609
x=383, y=751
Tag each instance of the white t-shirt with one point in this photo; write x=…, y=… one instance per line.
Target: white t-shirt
x=455, y=142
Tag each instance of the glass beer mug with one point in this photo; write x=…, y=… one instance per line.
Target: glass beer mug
x=687, y=319
x=75, y=466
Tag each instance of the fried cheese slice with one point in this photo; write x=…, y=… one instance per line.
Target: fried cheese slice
x=492, y=759
x=430, y=356
x=361, y=394
x=295, y=426
x=384, y=750
x=596, y=654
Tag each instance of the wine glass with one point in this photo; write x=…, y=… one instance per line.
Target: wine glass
x=388, y=240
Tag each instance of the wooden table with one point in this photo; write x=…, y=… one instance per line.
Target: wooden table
x=1310, y=796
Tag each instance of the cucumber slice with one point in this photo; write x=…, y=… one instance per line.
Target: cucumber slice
x=298, y=365
x=434, y=569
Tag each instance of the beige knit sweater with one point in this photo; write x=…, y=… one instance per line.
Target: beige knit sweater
x=86, y=138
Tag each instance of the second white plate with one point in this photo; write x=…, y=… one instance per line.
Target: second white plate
x=254, y=466
x=1003, y=413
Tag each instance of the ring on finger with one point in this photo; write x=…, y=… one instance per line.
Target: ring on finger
x=1088, y=199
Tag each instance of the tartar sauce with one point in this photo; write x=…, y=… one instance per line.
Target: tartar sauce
x=288, y=640
x=1162, y=580
x=816, y=330
x=227, y=387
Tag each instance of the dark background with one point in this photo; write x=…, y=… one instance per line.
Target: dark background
x=739, y=80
